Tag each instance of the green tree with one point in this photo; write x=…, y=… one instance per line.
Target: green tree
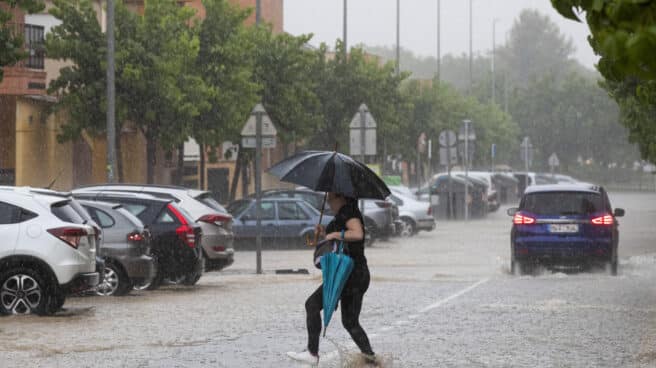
x=623, y=35
x=13, y=50
x=163, y=94
x=346, y=82
x=226, y=64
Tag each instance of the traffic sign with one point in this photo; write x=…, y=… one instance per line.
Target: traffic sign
x=357, y=130
x=447, y=138
x=553, y=160
x=250, y=142
x=268, y=129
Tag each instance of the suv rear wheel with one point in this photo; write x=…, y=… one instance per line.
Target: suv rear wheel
x=24, y=290
x=116, y=282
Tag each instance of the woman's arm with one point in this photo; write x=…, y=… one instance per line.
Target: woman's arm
x=354, y=232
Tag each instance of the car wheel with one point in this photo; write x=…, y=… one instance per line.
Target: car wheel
x=115, y=281
x=153, y=284
x=190, y=279
x=611, y=266
x=24, y=291
x=407, y=227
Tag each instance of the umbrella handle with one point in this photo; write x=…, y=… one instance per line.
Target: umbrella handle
x=323, y=206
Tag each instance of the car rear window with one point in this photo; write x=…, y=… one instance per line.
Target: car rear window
x=65, y=212
x=236, y=208
x=563, y=203
x=208, y=200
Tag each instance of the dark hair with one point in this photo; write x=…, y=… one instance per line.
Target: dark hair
x=349, y=200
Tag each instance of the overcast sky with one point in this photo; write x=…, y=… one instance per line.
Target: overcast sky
x=373, y=22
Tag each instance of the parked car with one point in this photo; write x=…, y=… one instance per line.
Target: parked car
x=572, y=223
x=492, y=197
x=125, y=248
x=287, y=222
x=527, y=179
x=175, y=236
x=47, y=252
x=214, y=220
x=415, y=215
x=380, y=217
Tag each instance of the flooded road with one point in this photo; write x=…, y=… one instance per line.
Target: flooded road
x=440, y=299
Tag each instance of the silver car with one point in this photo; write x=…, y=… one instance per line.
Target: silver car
x=216, y=223
x=125, y=248
x=415, y=215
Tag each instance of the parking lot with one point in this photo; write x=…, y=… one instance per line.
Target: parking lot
x=444, y=298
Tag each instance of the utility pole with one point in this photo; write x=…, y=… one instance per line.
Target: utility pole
x=439, y=56
x=471, y=82
x=344, y=35
x=398, y=37
x=494, y=78
x=111, y=96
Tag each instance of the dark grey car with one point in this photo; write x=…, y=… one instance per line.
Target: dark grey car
x=125, y=248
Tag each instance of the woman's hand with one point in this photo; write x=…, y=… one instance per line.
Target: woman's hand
x=334, y=236
x=320, y=231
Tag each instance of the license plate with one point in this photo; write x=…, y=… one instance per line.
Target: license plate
x=564, y=228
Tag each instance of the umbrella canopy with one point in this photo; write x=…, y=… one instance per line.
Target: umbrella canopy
x=336, y=269
x=328, y=171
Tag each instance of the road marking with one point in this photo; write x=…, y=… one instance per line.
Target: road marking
x=460, y=293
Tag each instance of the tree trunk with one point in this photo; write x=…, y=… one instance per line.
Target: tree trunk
x=244, y=177
x=151, y=151
x=201, y=176
x=179, y=176
x=235, y=177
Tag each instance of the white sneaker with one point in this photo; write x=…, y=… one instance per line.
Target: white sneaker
x=304, y=357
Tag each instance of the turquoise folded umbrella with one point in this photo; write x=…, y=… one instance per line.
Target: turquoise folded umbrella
x=336, y=269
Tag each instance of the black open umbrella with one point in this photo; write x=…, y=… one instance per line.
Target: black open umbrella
x=326, y=171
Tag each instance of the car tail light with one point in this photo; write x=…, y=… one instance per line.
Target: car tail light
x=384, y=204
x=216, y=219
x=603, y=220
x=185, y=231
x=218, y=248
x=430, y=210
x=136, y=237
x=520, y=219
x=69, y=235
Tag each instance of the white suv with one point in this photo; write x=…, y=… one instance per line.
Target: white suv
x=47, y=251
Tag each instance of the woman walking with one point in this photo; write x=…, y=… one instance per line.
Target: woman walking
x=349, y=222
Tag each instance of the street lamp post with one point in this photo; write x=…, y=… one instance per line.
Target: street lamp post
x=398, y=37
x=494, y=79
x=471, y=88
x=439, y=56
x=111, y=96
x=344, y=31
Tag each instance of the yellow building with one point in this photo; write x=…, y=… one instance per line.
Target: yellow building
x=30, y=153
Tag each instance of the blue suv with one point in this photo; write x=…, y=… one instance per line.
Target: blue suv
x=564, y=224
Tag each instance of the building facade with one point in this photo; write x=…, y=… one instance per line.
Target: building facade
x=30, y=153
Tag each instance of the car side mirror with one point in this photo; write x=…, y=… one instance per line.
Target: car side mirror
x=619, y=212
x=512, y=211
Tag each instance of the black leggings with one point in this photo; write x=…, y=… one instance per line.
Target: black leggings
x=351, y=304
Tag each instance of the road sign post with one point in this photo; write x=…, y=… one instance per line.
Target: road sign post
x=257, y=129
x=467, y=134
x=448, y=157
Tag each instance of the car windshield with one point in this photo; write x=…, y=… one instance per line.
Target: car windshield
x=563, y=203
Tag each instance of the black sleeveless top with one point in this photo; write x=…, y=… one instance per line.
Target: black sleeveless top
x=354, y=249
